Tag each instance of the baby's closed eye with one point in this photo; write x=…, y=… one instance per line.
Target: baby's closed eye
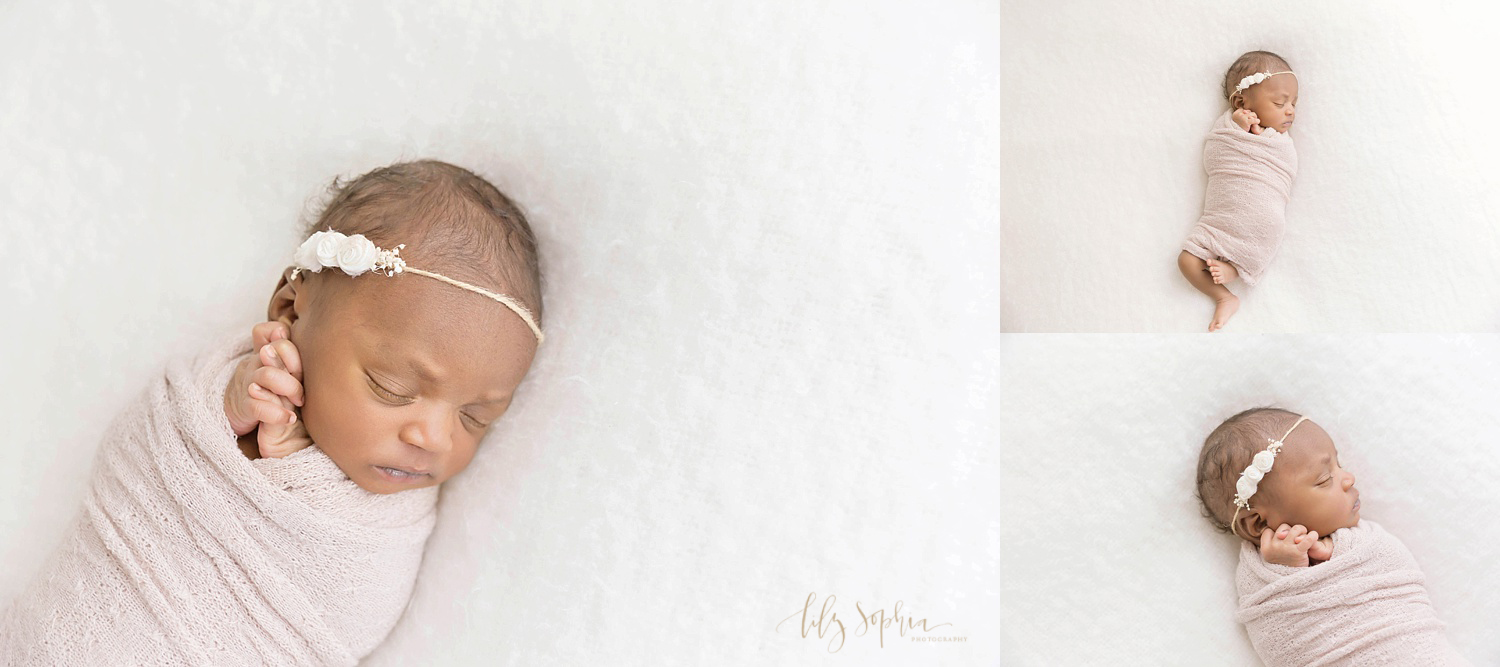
x=398, y=399
x=383, y=392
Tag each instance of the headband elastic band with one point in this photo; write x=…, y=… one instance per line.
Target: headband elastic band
x=357, y=254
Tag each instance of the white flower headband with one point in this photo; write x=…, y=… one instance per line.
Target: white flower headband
x=1258, y=77
x=357, y=254
x=1256, y=471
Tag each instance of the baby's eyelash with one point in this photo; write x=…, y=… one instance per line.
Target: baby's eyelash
x=398, y=397
x=382, y=390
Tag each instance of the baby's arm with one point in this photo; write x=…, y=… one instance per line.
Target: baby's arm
x=1294, y=546
x=1248, y=121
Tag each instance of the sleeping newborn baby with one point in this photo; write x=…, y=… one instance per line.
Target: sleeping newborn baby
x=267, y=500
x=404, y=376
x=1251, y=163
x=1318, y=585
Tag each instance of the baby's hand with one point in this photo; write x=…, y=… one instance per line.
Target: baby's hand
x=1321, y=550
x=1247, y=120
x=265, y=391
x=1288, y=545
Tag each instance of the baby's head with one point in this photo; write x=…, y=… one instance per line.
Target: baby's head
x=1304, y=484
x=1273, y=100
x=407, y=371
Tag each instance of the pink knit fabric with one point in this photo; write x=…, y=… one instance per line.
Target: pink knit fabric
x=1365, y=606
x=1244, y=208
x=188, y=553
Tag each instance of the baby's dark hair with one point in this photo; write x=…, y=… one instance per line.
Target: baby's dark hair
x=1227, y=452
x=1250, y=63
x=452, y=221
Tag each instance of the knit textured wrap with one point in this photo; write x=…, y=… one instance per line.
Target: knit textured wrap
x=1367, y=605
x=188, y=553
x=1244, y=207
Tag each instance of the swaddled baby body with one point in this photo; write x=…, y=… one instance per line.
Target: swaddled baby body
x=266, y=501
x=1251, y=164
x=1317, y=583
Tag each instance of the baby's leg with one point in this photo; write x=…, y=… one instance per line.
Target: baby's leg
x=1196, y=272
x=1223, y=273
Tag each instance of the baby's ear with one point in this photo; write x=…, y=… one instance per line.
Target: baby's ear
x=283, y=306
x=1251, y=525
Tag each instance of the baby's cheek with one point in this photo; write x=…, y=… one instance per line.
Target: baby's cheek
x=318, y=408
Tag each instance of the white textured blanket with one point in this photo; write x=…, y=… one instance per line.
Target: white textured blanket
x=1365, y=606
x=189, y=553
x=1244, y=207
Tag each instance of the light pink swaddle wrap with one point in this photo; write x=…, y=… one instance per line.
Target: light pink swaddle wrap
x=189, y=553
x=1244, y=207
x=1365, y=606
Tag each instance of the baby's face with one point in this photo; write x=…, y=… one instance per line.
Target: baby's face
x=1274, y=101
x=1308, y=485
x=368, y=405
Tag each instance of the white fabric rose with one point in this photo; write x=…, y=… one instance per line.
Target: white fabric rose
x=1254, y=475
x=1251, y=80
x=307, y=253
x=328, y=248
x=358, y=255
x=1246, y=487
x=1263, y=461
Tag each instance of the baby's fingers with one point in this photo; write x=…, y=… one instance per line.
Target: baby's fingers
x=266, y=332
x=268, y=407
x=1321, y=549
x=282, y=354
x=279, y=382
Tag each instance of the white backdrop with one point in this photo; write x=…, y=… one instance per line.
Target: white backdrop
x=769, y=235
x=1108, y=560
x=1392, y=225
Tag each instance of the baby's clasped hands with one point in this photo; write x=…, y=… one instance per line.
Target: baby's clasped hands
x=1293, y=546
x=1248, y=121
x=266, y=391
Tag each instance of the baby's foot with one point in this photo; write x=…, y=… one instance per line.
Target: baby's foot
x=1223, y=310
x=1223, y=272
